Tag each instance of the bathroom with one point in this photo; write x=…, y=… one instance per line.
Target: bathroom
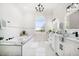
x=39, y=29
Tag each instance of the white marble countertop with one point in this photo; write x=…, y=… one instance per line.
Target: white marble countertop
x=19, y=41
x=74, y=39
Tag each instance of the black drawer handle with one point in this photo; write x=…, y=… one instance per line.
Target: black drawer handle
x=62, y=39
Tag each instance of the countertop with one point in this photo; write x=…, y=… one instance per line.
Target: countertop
x=74, y=39
x=19, y=41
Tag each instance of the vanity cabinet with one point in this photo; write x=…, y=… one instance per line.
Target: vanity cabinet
x=64, y=46
x=56, y=42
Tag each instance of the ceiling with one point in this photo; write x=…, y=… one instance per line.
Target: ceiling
x=30, y=7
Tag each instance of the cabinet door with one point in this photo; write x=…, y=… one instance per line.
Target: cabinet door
x=68, y=47
x=56, y=44
x=76, y=49
x=53, y=42
x=10, y=51
x=59, y=46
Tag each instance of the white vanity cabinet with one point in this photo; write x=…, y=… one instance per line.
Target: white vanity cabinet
x=56, y=43
x=64, y=46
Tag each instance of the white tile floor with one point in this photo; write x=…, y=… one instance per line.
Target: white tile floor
x=37, y=47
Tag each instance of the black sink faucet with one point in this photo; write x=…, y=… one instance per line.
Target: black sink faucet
x=10, y=38
x=1, y=38
x=76, y=34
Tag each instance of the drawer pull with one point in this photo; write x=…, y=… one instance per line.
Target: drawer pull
x=56, y=54
x=62, y=39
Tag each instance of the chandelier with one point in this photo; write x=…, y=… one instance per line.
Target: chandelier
x=39, y=8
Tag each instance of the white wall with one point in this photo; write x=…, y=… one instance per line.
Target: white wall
x=9, y=12
x=24, y=15
x=60, y=11
x=55, y=10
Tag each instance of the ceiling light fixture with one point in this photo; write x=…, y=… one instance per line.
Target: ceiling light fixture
x=39, y=8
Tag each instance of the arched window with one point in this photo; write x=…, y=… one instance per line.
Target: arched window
x=40, y=23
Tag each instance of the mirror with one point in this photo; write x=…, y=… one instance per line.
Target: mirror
x=73, y=20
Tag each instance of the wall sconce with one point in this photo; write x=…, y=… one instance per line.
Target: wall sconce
x=53, y=19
